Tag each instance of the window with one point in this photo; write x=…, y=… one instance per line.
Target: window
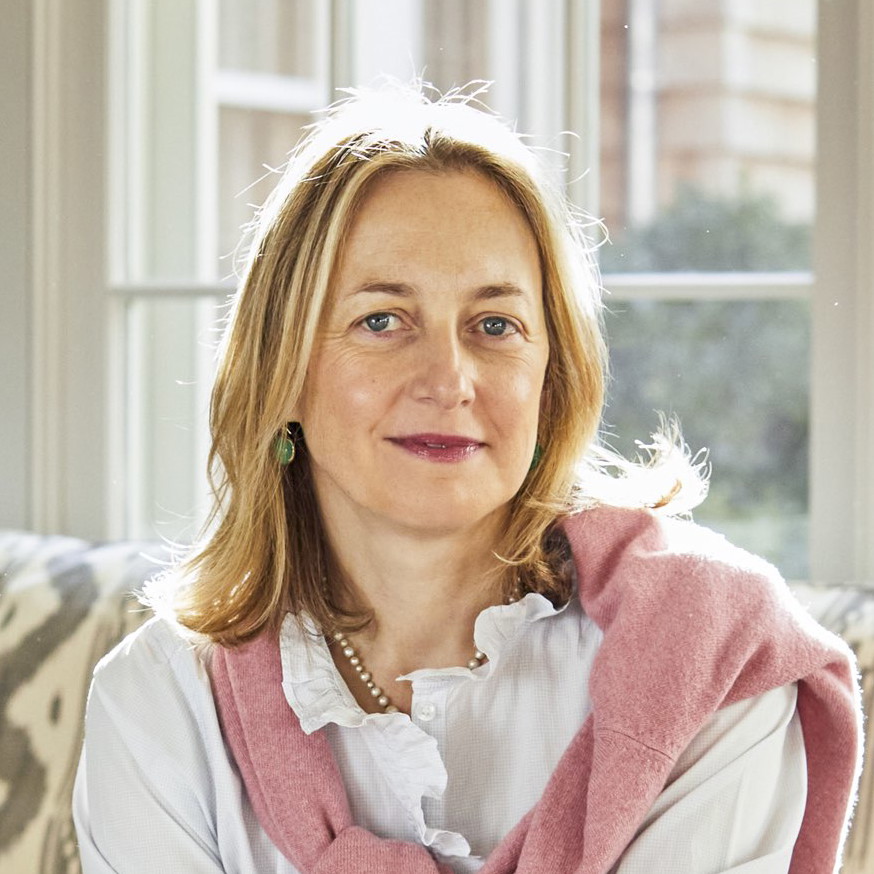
x=238, y=81
x=132, y=242
x=708, y=190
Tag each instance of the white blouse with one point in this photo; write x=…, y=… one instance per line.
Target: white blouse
x=157, y=791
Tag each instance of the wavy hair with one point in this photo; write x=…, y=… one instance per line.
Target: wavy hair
x=265, y=552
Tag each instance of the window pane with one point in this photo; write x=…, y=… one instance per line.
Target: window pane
x=251, y=142
x=444, y=41
x=170, y=350
x=708, y=134
x=270, y=36
x=456, y=50
x=517, y=46
x=736, y=375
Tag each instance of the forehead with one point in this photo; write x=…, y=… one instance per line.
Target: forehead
x=398, y=195
x=458, y=221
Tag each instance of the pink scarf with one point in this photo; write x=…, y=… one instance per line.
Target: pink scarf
x=690, y=625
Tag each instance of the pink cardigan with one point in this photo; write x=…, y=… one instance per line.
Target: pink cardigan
x=690, y=625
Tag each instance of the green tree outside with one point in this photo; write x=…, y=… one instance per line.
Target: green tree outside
x=735, y=373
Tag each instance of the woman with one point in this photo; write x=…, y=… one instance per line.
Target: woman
x=418, y=638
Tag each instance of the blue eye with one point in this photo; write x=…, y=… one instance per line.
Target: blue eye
x=378, y=322
x=496, y=326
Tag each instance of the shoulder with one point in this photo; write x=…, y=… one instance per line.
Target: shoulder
x=605, y=534
x=676, y=600
x=151, y=714
x=642, y=556
x=155, y=668
x=647, y=577
x=154, y=757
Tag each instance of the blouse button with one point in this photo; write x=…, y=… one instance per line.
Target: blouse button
x=426, y=711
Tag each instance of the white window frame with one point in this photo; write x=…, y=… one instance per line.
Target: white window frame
x=842, y=384
x=64, y=468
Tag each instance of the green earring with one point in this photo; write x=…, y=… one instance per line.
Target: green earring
x=535, y=460
x=285, y=447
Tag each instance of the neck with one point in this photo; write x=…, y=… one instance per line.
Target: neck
x=424, y=591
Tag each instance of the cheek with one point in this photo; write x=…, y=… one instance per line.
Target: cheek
x=516, y=399
x=343, y=388
x=526, y=381
x=359, y=385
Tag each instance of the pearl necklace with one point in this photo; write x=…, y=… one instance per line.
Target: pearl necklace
x=366, y=677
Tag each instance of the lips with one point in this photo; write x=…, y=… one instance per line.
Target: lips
x=439, y=447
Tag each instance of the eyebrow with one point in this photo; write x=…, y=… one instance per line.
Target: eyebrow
x=401, y=289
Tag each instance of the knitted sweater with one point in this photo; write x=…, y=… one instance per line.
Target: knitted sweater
x=690, y=625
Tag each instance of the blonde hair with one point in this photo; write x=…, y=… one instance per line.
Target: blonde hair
x=267, y=553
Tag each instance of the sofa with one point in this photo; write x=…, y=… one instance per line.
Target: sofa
x=65, y=602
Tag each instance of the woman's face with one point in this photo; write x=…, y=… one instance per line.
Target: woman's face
x=423, y=393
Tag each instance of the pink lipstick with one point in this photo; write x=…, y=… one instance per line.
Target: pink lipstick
x=439, y=447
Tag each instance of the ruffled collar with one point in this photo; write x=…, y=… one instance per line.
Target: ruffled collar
x=319, y=696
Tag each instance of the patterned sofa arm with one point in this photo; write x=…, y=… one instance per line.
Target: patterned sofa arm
x=849, y=612
x=63, y=604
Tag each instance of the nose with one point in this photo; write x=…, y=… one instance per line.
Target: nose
x=443, y=371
